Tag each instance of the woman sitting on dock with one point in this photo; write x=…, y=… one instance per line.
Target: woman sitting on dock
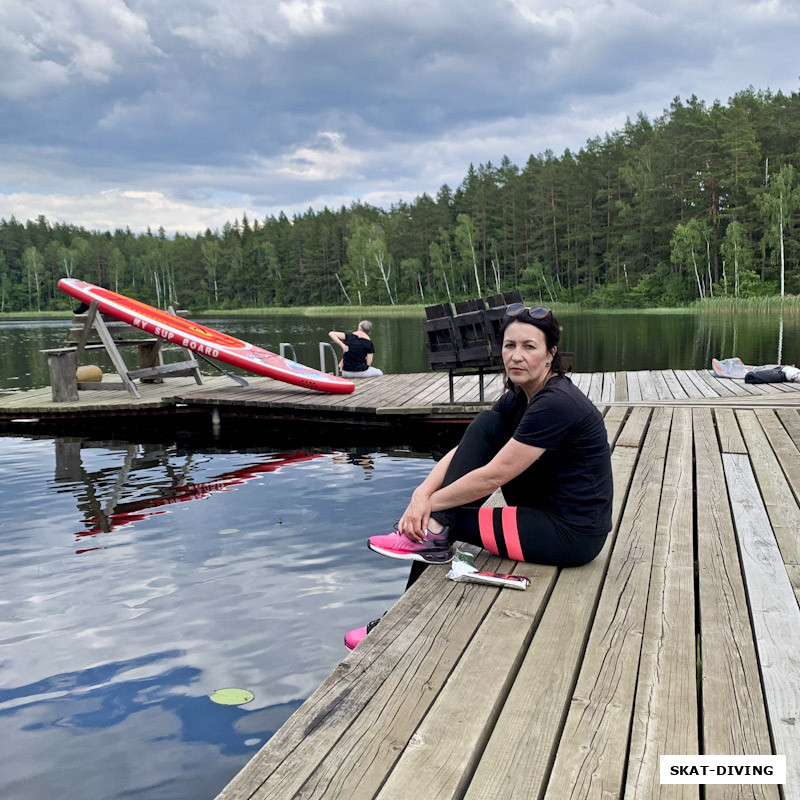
x=544, y=442
x=358, y=352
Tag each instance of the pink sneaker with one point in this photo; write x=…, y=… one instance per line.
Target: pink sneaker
x=434, y=550
x=354, y=637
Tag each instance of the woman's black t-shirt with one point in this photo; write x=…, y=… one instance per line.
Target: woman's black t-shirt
x=355, y=359
x=572, y=480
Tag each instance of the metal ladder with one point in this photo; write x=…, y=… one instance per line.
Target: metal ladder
x=324, y=347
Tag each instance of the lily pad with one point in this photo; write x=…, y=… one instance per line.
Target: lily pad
x=231, y=697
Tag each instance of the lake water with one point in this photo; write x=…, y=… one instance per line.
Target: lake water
x=139, y=577
x=601, y=342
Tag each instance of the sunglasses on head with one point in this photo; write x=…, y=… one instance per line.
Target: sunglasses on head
x=535, y=312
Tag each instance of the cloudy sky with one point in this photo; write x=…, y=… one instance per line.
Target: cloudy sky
x=186, y=113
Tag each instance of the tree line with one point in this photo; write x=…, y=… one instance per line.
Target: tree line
x=701, y=202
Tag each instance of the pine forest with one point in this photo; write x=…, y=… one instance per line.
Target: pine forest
x=702, y=202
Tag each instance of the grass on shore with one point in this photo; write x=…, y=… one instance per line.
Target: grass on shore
x=717, y=305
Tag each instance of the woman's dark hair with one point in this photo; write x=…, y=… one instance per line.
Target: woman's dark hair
x=549, y=326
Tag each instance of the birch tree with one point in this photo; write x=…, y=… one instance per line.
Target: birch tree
x=777, y=205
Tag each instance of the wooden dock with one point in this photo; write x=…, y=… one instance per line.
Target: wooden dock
x=378, y=400
x=680, y=638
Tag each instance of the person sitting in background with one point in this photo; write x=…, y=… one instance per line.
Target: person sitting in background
x=358, y=352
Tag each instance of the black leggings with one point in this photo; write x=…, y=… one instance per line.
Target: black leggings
x=517, y=531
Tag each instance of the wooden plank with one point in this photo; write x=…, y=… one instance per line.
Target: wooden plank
x=723, y=387
x=596, y=387
x=793, y=570
x=791, y=421
x=781, y=504
x=620, y=386
x=733, y=714
x=663, y=392
x=776, y=616
x=635, y=427
x=784, y=447
x=516, y=762
x=591, y=756
x=665, y=713
x=613, y=421
x=634, y=390
x=441, y=755
x=359, y=720
x=674, y=385
x=689, y=377
x=609, y=387
x=647, y=385
x=728, y=431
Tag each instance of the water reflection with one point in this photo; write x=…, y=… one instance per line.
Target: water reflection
x=252, y=586
x=601, y=342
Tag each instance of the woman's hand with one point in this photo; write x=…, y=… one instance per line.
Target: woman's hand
x=416, y=517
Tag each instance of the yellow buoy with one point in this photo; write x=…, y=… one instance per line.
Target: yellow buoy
x=89, y=374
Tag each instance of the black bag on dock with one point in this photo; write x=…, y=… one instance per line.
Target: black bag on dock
x=767, y=375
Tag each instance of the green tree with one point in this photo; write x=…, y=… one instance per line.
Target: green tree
x=737, y=250
x=778, y=205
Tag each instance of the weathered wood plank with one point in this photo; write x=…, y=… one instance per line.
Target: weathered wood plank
x=590, y=760
x=791, y=422
x=665, y=713
x=783, y=446
x=733, y=712
x=663, y=391
x=776, y=616
x=635, y=427
x=634, y=390
x=516, y=762
x=620, y=386
x=780, y=502
x=730, y=438
x=793, y=571
x=440, y=757
x=609, y=387
x=596, y=387
x=689, y=377
x=675, y=386
x=647, y=385
x=614, y=420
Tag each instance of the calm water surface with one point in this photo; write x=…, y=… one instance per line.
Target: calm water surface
x=136, y=579
x=601, y=342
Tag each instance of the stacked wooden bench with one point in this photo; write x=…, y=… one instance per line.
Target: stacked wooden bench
x=469, y=341
x=680, y=638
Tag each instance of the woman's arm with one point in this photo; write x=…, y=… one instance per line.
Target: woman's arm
x=512, y=460
x=338, y=337
x=369, y=359
x=417, y=515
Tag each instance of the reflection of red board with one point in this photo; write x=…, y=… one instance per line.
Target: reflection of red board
x=137, y=510
x=203, y=340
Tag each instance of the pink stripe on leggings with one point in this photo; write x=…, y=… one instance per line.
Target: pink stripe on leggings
x=486, y=528
x=511, y=533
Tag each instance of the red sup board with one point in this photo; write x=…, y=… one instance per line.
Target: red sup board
x=203, y=340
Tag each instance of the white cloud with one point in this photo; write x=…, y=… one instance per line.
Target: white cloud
x=112, y=208
x=218, y=106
